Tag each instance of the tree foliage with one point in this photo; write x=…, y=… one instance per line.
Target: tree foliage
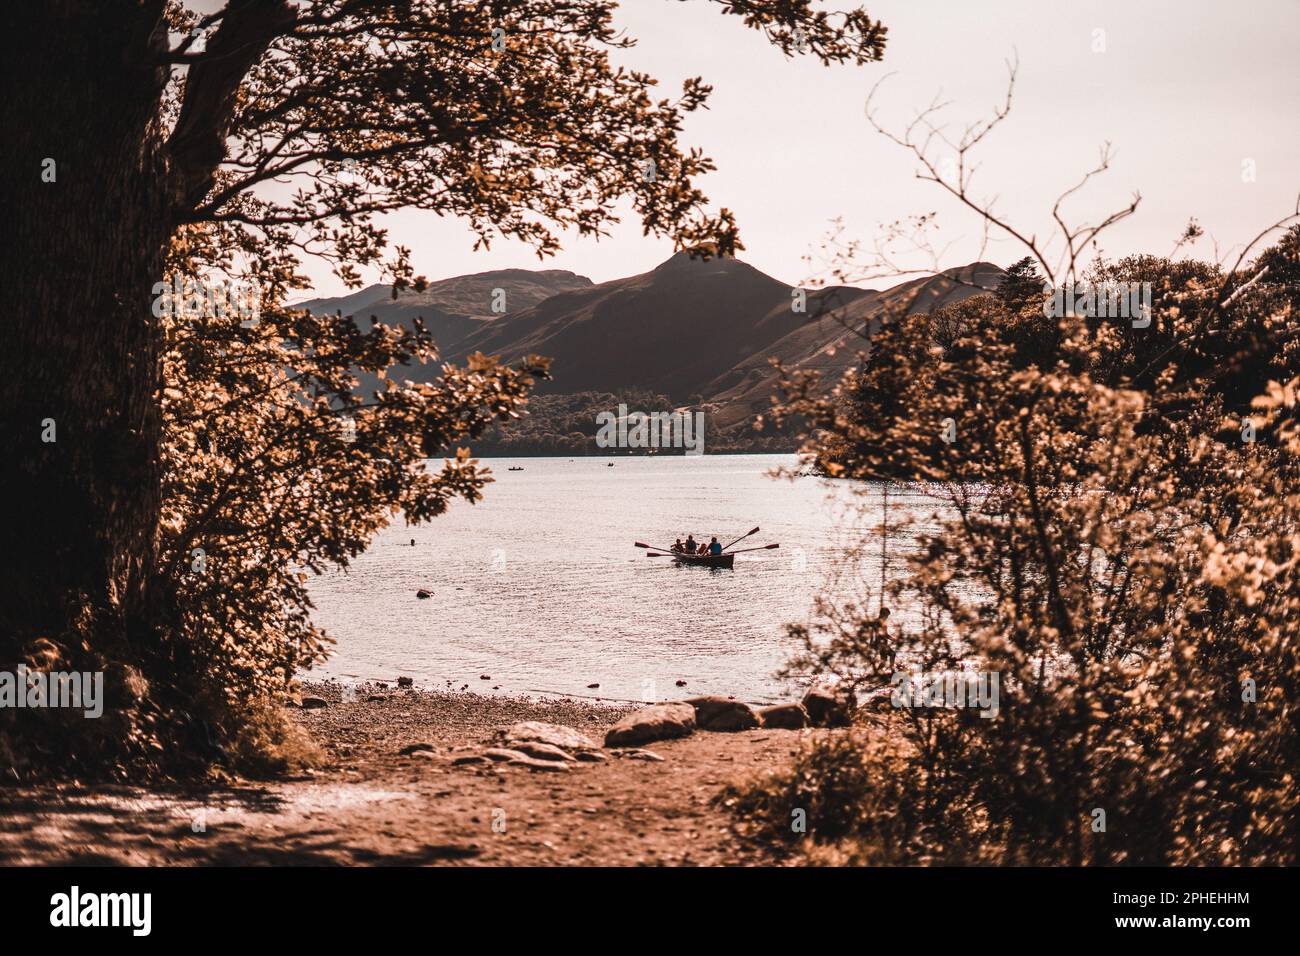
x=1112, y=540
x=207, y=466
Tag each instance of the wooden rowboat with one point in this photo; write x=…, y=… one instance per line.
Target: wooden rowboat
x=707, y=560
x=724, y=560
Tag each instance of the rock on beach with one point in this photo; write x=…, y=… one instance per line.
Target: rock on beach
x=656, y=722
x=723, y=714
x=557, y=735
x=784, y=716
x=830, y=706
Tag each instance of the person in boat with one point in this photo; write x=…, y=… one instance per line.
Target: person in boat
x=677, y=546
x=691, y=546
x=715, y=549
x=882, y=639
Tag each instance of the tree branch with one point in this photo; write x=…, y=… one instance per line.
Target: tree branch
x=197, y=146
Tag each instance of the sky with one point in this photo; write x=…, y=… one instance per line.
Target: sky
x=1198, y=99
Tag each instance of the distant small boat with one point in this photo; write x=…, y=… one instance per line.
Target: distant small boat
x=706, y=560
x=513, y=468
x=609, y=465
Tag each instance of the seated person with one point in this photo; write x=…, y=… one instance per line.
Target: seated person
x=690, y=544
x=715, y=549
x=677, y=546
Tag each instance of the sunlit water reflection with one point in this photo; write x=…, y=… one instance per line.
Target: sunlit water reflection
x=540, y=587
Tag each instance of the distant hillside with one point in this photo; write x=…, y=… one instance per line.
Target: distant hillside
x=672, y=330
x=699, y=333
x=452, y=309
x=829, y=344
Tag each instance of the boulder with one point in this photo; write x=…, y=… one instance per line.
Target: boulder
x=830, y=706
x=538, y=750
x=543, y=766
x=314, y=703
x=566, y=738
x=591, y=756
x=412, y=748
x=422, y=594
x=469, y=760
x=784, y=716
x=636, y=754
x=723, y=714
x=504, y=753
x=406, y=682
x=656, y=722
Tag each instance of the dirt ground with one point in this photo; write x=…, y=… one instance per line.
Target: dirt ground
x=370, y=805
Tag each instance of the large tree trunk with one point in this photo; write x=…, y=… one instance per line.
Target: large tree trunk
x=80, y=355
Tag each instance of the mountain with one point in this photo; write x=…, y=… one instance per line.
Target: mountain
x=697, y=332
x=453, y=309
x=671, y=330
x=830, y=343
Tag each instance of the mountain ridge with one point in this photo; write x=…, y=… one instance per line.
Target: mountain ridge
x=699, y=332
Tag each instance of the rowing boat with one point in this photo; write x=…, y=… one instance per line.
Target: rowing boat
x=724, y=560
x=707, y=560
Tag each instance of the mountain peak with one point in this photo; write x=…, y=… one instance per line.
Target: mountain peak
x=684, y=260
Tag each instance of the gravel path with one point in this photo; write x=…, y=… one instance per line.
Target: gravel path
x=369, y=804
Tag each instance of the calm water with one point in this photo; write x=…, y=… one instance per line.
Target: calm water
x=540, y=587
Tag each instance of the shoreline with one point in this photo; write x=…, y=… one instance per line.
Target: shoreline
x=393, y=787
x=314, y=686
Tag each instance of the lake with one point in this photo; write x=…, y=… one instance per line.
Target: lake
x=540, y=588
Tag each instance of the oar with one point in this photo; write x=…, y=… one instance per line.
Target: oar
x=742, y=538
x=655, y=547
x=765, y=548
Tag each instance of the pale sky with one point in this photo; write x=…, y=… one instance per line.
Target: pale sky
x=1186, y=91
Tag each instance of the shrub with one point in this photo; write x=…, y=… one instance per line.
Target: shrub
x=854, y=797
x=1113, y=546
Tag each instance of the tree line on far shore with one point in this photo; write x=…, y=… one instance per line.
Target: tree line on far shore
x=556, y=425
